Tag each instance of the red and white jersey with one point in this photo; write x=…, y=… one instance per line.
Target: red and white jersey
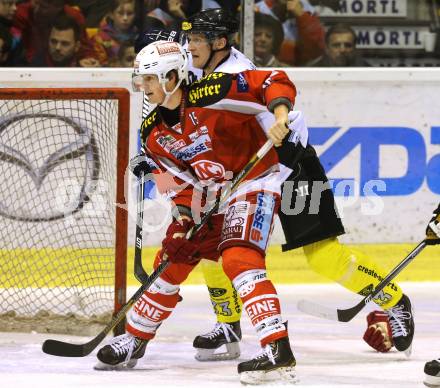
x=222, y=125
x=234, y=63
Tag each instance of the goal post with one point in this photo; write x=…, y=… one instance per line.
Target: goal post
x=63, y=216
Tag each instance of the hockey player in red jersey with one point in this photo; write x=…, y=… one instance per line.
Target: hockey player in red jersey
x=193, y=147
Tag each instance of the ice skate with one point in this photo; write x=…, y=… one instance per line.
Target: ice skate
x=401, y=318
x=432, y=373
x=221, y=343
x=121, y=353
x=276, y=364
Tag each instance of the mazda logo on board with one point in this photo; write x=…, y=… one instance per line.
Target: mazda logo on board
x=43, y=152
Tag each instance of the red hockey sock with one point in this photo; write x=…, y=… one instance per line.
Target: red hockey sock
x=246, y=268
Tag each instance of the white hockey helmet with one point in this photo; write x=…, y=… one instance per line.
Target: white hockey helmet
x=160, y=58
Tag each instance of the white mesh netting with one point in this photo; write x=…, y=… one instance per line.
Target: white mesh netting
x=57, y=212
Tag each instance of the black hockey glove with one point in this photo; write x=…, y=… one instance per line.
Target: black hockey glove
x=142, y=163
x=433, y=228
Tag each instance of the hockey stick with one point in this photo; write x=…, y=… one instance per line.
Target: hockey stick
x=139, y=271
x=66, y=349
x=346, y=315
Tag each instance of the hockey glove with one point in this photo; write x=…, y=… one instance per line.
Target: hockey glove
x=378, y=334
x=142, y=163
x=177, y=247
x=433, y=229
x=203, y=245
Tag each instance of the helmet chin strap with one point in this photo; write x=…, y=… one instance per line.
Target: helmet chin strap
x=169, y=94
x=211, y=55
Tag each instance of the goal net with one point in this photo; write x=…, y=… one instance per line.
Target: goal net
x=63, y=239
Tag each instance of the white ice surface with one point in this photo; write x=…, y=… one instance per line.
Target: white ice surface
x=329, y=354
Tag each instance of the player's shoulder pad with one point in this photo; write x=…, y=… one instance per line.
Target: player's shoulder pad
x=209, y=89
x=151, y=121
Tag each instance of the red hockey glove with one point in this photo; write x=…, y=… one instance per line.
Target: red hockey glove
x=433, y=229
x=378, y=333
x=203, y=245
x=175, y=244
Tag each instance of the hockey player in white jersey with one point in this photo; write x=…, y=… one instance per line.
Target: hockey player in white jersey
x=209, y=36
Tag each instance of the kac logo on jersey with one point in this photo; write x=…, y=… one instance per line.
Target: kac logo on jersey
x=208, y=170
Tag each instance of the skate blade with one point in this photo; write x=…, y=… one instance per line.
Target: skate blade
x=432, y=381
x=408, y=351
x=281, y=376
x=122, y=366
x=225, y=352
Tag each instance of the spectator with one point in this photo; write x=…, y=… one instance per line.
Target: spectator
x=93, y=10
x=126, y=55
x=268, y=37
x=7, y=13
x=172, y=12
x=303, y=32
x=5, y=47
x=340, y=48
x=118, y=27
x=63, y=45
x=32, y=22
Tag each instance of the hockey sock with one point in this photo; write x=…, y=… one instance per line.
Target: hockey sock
x=157, y=304
x=351, y=269
x=246, y=267
x=152, y=309
x=224, y=297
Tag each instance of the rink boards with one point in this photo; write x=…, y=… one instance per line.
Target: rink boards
x=285, y=268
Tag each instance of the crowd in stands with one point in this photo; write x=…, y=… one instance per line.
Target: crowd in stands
x=96, y=33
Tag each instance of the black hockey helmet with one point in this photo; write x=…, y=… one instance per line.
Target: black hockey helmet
x=153, y=35
x=213, y=23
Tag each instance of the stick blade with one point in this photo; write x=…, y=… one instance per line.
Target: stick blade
x=347, y=315
x=317, y=310
x=67, y=349
x=63, y=349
